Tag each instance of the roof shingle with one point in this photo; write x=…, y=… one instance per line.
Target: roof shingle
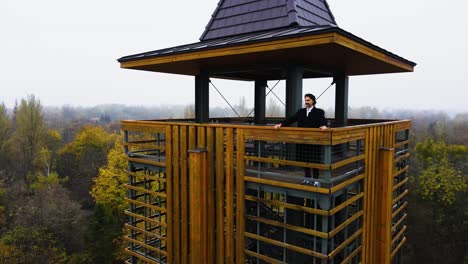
x=235, y=17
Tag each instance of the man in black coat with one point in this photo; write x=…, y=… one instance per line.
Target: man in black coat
x=311, y=117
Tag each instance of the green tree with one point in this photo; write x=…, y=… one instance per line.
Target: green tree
x=439, y=206
x=81, y=159
x=28, y=135
x=26, y=245
x=5, y=134
x=51, y=208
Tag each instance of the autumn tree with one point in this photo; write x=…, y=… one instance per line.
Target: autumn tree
x=28, y=245
x=439, y=206
x=81, y=159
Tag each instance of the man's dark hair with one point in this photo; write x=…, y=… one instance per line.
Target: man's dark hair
x=312, y=97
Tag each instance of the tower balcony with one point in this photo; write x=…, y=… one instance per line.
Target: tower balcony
x=228, y=191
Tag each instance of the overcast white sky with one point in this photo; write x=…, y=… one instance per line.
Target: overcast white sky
x=65, y=52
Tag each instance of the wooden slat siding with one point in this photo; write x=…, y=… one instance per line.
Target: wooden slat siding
x=229, y=196
x=289, y=162
x=352, y=255
x=347, y=183
x=400, y=234
x=344, y=244
x=170, y=196
x=401, y=208
x=184, y=195
x=146, y=176
x=155, y=128
x=384, y=189
x=201, y=139
x=192, y=133
x=402, y=143
x=340, y=137
x=287, y=205
x=401, y=196
x=399, y=172
x=211, y=212
x=347, y=203
x=294, y=136
x=403, y=182
x=263, y=257
x=141, y=257
x=176, y=192
x=220, y=187
x=288, y=226
x=403, y=125
x=143, y=190
x=143, y=244
x=398, y=248
x=346, y=161
x=148, y=162
x=146, y=145
x=142, y=231
x=147, y=219
x=198, y=207
x=365, y=202
x=287, y=185
x=394, y=227
x=240, y=192
x=402, y=157
x=344, y=224
x=147, y=205
x=287, y=246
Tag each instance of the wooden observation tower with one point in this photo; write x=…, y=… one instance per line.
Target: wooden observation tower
x=232, y=190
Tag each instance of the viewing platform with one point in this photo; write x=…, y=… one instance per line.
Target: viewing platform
x=258, y=205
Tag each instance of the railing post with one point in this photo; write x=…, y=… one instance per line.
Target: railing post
x=384, y=192
x=198, y=183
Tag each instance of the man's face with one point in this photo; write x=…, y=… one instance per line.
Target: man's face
x=308, y=102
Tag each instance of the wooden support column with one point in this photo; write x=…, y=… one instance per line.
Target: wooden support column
x=198, y=200
x=383, y=217
x=260, y=98
x=341, y=100
x=202, y=96
x=294, y=89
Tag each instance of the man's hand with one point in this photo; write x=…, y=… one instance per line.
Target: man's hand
x=323, y=127
x=277, y=126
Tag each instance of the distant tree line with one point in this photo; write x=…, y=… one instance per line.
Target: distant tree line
x=61, y=171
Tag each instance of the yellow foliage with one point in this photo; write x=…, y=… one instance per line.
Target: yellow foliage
x=108, y=189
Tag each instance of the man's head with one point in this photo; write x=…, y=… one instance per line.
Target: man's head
x=309, y=100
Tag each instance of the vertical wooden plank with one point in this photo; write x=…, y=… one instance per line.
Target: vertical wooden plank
x=211, y=221
x=198, y=206
x=365, y=224
x=192, y=137
x=184, y=196
x=220, y=238
x=240, y=191
x=169, y=196
x=384, y=211
x=229, y=195
x=176, y=192
x=201, y=140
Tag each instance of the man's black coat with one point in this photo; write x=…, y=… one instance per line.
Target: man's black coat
x=315, y=119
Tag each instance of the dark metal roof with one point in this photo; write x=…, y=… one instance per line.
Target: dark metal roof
x=237, y=17
x=270, y=35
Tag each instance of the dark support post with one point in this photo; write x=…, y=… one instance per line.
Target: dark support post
x=260, y=98
x=202, y=109
x=341, y=100
x=294, y=89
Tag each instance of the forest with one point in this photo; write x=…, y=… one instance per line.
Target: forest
x=61, y=171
